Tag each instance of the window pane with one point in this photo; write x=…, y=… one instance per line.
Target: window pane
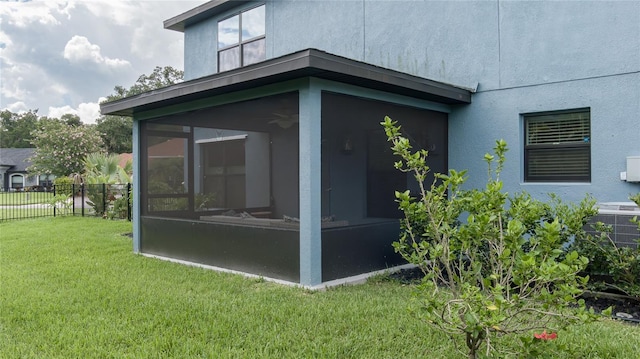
x=558, y=128
x=229, y=32
x=16, y=181
x=229, y=59
x=558, y=146
x=559, y=164
x=233, y=166
x=224, y=173
x=253, y=23
x=166, y=165
x=254, y=52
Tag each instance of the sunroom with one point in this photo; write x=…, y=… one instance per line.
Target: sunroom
x=281, y=169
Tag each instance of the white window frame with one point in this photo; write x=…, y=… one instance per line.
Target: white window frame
x=11, y=176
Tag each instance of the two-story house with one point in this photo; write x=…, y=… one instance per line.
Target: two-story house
x=269, y=158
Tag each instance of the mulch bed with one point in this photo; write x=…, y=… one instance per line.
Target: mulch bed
x=624, y=308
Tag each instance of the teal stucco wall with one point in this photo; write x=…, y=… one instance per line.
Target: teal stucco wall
x=524, y=56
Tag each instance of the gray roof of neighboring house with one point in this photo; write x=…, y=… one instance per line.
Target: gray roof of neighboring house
x=16, y=158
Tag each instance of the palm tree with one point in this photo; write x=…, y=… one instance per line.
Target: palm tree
x=104, y=168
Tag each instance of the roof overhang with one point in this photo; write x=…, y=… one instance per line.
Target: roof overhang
x=197, y=14
x=306, y=63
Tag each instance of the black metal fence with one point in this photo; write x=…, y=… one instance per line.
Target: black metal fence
x=111, y=201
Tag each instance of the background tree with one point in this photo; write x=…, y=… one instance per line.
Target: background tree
x=16, y=128
x=71, y=119
x=160, y=77
x=61, y=148
x=116, y=131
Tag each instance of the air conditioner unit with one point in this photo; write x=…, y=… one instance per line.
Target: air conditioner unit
x=633, y=169
x=618, y=215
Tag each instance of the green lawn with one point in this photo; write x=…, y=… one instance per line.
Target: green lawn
x=22, y=198
x=19, y=205
x=70, y=287
x=19, y=213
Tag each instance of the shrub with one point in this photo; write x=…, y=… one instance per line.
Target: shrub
x=105, y=185
x=502, y=270
x=120, y=206
x=63, y=185
x=620, y=265
x=62, y=202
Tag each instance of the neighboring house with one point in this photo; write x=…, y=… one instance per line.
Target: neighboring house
x=13, y=170
x=278, y=121
x=125, y=158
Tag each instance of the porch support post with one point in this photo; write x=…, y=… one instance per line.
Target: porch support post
x=310, y=186
x=137, y=173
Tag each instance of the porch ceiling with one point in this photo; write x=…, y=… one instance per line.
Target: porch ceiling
x=306, y=63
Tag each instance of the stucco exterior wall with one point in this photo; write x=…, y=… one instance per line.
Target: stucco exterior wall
x=200, y=57
x=615, y=133
x=523, y=56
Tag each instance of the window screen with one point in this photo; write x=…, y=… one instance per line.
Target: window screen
x=558, y=146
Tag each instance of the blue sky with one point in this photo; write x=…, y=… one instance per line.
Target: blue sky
x=63, y=56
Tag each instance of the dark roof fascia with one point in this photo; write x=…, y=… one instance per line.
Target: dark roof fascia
x=306, y=63
x=202, y=12
x=349, y=71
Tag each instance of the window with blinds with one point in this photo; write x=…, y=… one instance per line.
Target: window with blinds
x=558, y=146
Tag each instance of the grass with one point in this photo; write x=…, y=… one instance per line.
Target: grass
x=19, y=213
x=22, y=198
x=14, y=205
x=71, y=288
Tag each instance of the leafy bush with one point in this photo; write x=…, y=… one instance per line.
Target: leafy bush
x=120, y=207
x=63, y=185
x=105, y=185
x=620, y=265
x=62, y=203
x=500, y=271
x=204, y=201
x=108, y=200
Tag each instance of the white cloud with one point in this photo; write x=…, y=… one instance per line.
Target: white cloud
x=5, y=41
x=24, y=14
x=57, y=89
x=61, y=55
x=117, y=12
x=12, y=89
x=79, y=49
x=88, y=112
x=57, y=112
x=65, y=8
x=18, y=107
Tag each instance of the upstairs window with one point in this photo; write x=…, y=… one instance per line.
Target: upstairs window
x=241, y=39
x=558, y=146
